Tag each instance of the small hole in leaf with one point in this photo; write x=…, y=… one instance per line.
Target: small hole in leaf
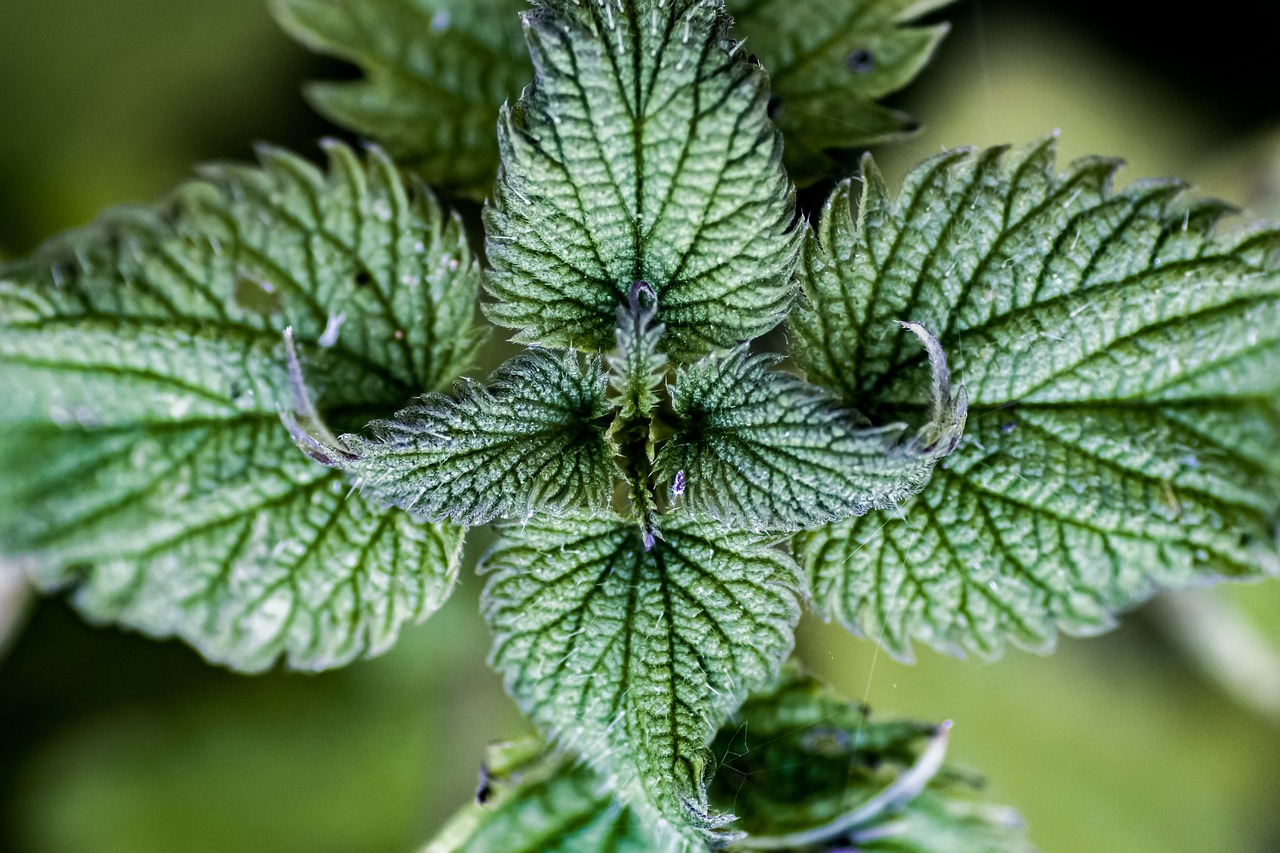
x=256, y=296
x=860, y=61
x=364, y=278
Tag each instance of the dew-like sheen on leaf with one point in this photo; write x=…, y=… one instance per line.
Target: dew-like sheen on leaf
x=633, y=657
x=533, y=440
x=1121, y=359
x=828, y=62
x=436, y=72
x=640, y=152
x=141, y=362
x=767, y=450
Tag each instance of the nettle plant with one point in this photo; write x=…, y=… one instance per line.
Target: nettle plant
x=1005, y=401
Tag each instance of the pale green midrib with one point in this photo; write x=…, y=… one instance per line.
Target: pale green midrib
x=707, y=47
x=637, y=111
x=637, y=136
x=134, y=497
x=39, y=491
x=281, y=277
x=1209, y=252
x=1226, y=308
x=121, y=503
x=763, y=454
x=503, y=440
x=150, y=376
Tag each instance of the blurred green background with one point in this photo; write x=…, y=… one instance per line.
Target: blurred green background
x=1161, y=736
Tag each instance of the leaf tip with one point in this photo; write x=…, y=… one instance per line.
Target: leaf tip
x=308, y=430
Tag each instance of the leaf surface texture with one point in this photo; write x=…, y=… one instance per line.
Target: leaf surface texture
x=766, y=450
x=631, y=657
x=1120, y=355
x=532, y=440
x=143, y=367
x=641, y=152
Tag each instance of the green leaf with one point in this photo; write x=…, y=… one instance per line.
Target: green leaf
x=633, y=657
x=806, y=770
x=142, y=358
x=222, y=534
x=532, y=441
x=641, y=152
x=938, y=823
x=545, y=804
x=829, y=63
x=764, y=449
x=1120, y=356
x=436, y=72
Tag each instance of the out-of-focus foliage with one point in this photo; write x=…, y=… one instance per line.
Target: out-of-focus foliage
x=435, y=74
x=108, y=102
x=131, y=746
x=829, y=64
